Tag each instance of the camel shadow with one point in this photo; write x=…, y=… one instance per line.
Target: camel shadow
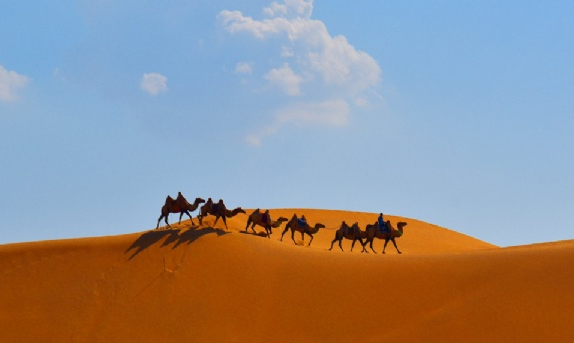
x=173, y=236
x=192, y=235
x=148, y=239
x=257, y=233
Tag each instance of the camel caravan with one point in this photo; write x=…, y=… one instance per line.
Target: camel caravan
x=381, y=229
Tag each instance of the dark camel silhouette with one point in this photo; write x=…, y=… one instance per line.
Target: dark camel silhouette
x=294, y=225
x=218, y=210
x=374, y=232
x=353, y=233
x=179, y=205
x=264, y=220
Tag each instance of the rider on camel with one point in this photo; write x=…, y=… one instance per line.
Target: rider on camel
x=302, y=221
x=383, y=227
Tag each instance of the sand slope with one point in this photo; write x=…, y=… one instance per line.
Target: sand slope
x=211, y=285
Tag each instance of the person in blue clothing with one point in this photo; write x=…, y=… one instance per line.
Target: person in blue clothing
x=302, y=221
x=382, y=224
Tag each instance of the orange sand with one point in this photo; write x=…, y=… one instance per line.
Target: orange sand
x=211, y=285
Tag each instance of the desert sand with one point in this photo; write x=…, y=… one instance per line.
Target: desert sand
x=208, y=284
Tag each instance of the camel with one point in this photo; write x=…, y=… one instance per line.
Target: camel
x=218, y=210
x=264, y=220
x=293, y=224
x=353, y=233
x=374, y=232
x=179, y=205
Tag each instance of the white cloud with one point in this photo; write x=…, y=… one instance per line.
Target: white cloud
x=275, y=10
x=287, y=52
x=153, y=83
x=10, y=82
x=333, y=112
x=291, y=8
x=315, y=67
x=244, y=68
x=285, y=79
x=329, y=112
x=333, y=59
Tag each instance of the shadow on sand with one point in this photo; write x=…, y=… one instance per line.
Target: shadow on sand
x=173, y=236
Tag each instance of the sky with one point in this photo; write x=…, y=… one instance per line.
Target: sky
x=456, y=113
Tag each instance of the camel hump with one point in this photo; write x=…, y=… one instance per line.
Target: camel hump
x=169, y=200
x=265, y=217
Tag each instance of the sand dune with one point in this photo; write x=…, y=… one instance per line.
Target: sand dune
x=206, y=284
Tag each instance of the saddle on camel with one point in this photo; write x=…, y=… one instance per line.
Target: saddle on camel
x=178, y=205
x=373, y=231
x=295, y=224
x=218, y=210
x=264, y=220
x=353, y=233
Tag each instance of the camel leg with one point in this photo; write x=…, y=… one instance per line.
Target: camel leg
x=395, y=244
x=293, y=236
x=333, y=243
x=364, y=249
x=311, y=239
x=341, y=244
x=224, y=222
x=371, y=245
x=353, y=245
x=284, y=231
x=269, y=231
x=188, y=214
x=160, y=217
x=165, y=217
x=363, y=245
x=385, y=246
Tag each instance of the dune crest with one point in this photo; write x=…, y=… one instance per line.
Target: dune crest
x=208, y=284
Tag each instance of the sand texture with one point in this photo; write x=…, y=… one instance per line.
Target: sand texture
x=209, y=284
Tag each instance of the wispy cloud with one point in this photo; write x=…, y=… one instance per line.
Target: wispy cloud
x=10, y=83
x=306, y=114
x=243, y=68
x=285, y=79
x=153, y=83
x=316, y=69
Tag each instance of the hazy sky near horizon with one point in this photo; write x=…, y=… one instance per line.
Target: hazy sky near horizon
x=456, y=113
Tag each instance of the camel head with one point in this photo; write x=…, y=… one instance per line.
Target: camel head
x=279, y=221
x=400, y=226
x=238, y=210
x=198, y=201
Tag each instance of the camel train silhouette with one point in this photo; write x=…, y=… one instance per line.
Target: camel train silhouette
x=219, y=210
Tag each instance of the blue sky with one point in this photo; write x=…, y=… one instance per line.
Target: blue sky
x=457, y=113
